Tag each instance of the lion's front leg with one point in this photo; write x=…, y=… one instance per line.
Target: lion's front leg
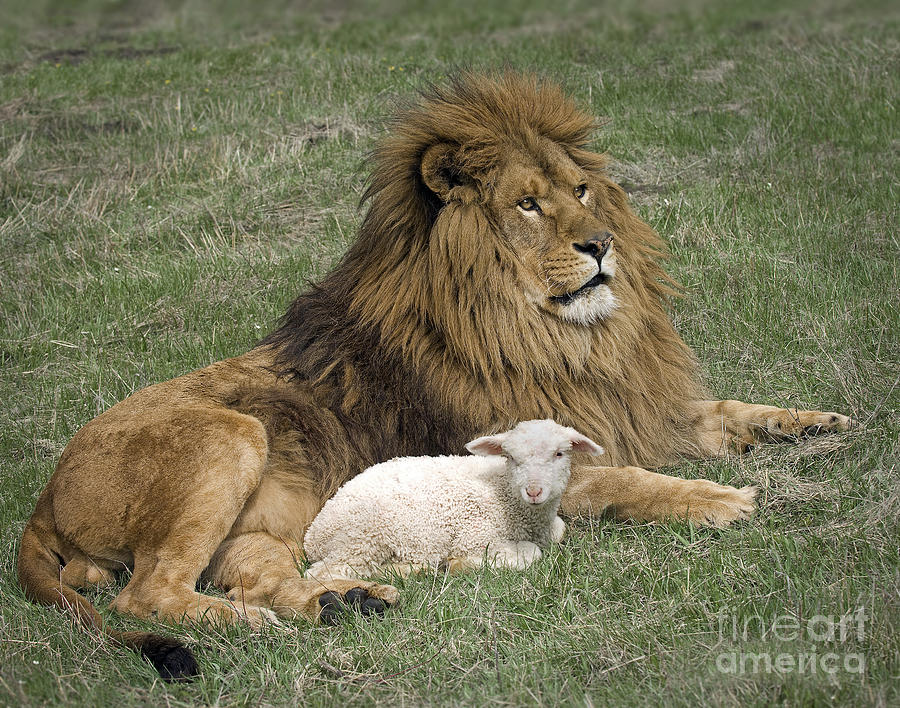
x=733, y=426
x=258, y=569
x=636, y=493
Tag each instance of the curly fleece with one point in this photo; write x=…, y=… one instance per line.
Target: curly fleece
x=426, y=510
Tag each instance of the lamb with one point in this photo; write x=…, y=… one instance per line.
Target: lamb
x=458, y=512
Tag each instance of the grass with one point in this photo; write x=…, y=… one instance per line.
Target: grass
x=171, y=174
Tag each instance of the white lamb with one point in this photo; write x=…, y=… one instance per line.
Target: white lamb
x=414, y=513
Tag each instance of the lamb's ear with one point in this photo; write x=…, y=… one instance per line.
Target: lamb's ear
x=580, y=443
x=487, y=445
x=442, y=173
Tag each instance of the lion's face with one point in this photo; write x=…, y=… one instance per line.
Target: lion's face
x=548, y=214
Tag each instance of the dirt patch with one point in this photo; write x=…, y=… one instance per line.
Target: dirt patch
x=73, y=57
x=64, y=56
x=132, y=53
x=319, y=131
x=59, y=127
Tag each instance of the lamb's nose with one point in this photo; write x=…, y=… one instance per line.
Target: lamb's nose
x=534, y=492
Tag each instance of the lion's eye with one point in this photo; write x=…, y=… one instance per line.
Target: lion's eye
x=529, y=204
x=580, y=191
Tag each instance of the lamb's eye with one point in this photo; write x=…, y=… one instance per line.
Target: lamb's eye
x=580, y=191
x=529, y=204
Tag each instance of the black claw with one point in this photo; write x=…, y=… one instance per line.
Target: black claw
x=330, y=599
x=334, y=605
x=374, y=606
x=329, y=615
x=356, y=596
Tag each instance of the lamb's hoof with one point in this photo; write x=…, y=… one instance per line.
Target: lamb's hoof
x=354, y=600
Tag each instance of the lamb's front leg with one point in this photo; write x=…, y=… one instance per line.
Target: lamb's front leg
x=734, y=426
x=517, y=555
x=557, y=530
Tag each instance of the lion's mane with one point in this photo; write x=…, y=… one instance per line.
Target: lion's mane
x=419, y=339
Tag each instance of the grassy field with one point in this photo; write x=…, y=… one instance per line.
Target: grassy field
x=171, y=175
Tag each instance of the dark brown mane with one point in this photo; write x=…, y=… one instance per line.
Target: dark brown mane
x=421, y=315
x=319, y=343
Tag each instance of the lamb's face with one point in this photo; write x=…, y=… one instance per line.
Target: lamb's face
x=539, y=478
x=538, y=457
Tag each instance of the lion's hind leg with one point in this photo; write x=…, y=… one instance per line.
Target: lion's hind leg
x=259, y=568
x=170, y=596
x=198, y=500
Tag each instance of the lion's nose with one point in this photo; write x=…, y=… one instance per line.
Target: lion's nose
x=597, y=245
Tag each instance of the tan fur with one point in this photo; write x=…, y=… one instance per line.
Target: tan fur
x=443, y=322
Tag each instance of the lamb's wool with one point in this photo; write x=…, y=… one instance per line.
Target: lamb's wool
x=425, y=510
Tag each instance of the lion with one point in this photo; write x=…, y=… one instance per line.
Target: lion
x=499, y=275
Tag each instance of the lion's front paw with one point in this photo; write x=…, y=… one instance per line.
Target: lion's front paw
x=712, y=504
x=816, y=422
x=787, y=424
x=350, y=596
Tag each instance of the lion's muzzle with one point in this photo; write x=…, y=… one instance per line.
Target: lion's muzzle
x=598, y=247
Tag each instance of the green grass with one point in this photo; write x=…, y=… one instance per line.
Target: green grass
x=172, y=174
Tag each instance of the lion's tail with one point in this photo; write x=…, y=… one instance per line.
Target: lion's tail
x=39, y=574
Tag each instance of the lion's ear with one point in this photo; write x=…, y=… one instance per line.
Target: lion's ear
x=442, y=174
